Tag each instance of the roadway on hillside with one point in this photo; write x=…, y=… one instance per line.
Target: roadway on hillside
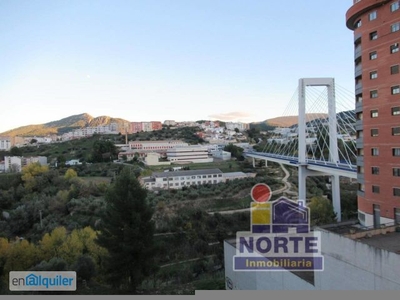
x=286, y=189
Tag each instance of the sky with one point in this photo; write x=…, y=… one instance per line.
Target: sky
x=147, y=60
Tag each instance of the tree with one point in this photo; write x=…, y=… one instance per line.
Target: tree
x=103, y=151
x=30, y=174
x=15, y=151
x=71, y=173
x=85, y=267
x=235, y=151
x=321, y=211
x=126, y=231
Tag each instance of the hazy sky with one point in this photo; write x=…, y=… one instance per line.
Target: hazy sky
x=149, y=60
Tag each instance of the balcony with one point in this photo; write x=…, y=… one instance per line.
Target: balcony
x=357, y=52
x=359, y=125
x=359, y=107
x=358, y=88
x=360, y=160
x=360, y=143
x=358, y=70
x=357, y=37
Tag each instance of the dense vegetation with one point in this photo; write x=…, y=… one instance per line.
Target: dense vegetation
x=52, y=217
x=186, y=134
x=45, y=208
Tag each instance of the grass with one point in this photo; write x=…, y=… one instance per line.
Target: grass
x=229, y=203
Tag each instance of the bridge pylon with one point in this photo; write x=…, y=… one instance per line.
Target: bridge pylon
x=302, y=138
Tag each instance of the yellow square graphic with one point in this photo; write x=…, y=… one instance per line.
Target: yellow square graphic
x=260, y=213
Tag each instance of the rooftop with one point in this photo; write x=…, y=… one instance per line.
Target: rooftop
x=187, y=173
x=386, y=237
x=234, y=174
x=157, y=142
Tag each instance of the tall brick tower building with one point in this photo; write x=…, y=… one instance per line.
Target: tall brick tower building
x=376, y=26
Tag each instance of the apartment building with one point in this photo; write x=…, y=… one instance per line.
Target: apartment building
x=376, y=26
x=5, y=143
x=16, y=163
x=238, y=125
x=145, y=126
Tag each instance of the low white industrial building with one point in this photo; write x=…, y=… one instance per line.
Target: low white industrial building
x=179, y=179
x=156, y=145
x=189, y=154
x=221, y=154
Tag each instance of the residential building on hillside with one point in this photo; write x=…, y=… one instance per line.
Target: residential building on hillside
x=156, y=125
x=147, y=126
x=16, y=163
x=73, y=162
x=238, y=125
x=144, y=126
x=376, y=26
x=169, y=123
x=5, y=143
x=136, y=127
x=89, y=131
x=189, y=154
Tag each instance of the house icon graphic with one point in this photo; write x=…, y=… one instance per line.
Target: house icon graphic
x=280, y=216
x=32, y=279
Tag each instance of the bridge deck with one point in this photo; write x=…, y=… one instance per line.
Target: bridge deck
x=332, y=168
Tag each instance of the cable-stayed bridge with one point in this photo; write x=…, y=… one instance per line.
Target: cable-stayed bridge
x=323, y=142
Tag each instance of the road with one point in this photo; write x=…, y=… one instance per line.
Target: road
x=286, y=189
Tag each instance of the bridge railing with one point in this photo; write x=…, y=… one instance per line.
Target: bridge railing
x=294, y=160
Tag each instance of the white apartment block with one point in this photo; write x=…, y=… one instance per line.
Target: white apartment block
x=189, y=154
x=147, y=126
x=238, y=125
x=169, y=123
x=156, y=145
x=16, y=163
x=5, y=143
x=89, y=131
x=179, y=179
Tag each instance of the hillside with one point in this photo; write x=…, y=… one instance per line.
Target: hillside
x=65, y=125
x=287, y=121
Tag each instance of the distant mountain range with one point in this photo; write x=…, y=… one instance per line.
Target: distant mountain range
x=64, y=125
x=85, y=120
